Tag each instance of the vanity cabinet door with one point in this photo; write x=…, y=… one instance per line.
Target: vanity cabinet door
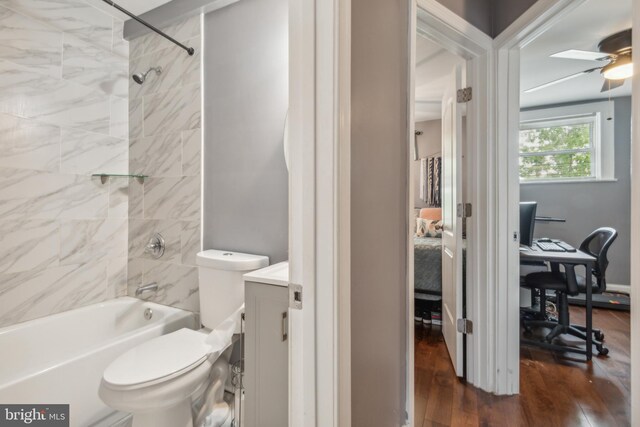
x=266, y=356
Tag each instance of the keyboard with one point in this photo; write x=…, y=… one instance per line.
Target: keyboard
x=550, y=247
x=567, y=247
x=558, y=246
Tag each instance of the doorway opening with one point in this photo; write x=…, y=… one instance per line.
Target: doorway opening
x=462, y=102
x=437, y=232
x=503, y=365
x=573, y=152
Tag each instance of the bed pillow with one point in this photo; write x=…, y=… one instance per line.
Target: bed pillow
x=434, y=228
x=428, y=228
x=421, y=227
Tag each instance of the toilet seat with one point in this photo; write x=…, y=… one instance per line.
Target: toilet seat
x=158, y=360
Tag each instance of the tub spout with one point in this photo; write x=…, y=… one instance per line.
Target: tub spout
x=151, y=287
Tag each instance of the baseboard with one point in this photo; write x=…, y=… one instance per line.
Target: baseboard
x=623, y=289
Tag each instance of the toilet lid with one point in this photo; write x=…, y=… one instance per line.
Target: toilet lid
x=158, y=358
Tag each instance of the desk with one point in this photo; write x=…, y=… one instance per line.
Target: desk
x=575, y=258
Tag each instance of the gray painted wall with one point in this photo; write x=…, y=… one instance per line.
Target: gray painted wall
x=507, y=11
x=587, y=206
x=429, y=144
x=490, y=16
x=379, y=181
x=245, y=104
x=477, y=12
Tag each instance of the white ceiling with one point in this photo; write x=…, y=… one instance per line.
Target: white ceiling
x=581, y=29
x=137, y=7
x=433, y=68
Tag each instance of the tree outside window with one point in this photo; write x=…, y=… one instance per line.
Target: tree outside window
x=558, y=149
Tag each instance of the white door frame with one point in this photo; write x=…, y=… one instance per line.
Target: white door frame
x=455, y=34
x=635, y=224
x=319, y=234
x=523, y=31
x=532, y=23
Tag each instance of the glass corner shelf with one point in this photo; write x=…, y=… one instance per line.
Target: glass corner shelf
x=104, y=177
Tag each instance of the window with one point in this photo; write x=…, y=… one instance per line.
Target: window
x=558, y=149
x=556, y=145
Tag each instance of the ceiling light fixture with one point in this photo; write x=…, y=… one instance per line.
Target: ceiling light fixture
x=619, y=69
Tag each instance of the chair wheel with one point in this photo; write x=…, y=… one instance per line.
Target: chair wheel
x=602, y=351
x=599, y=336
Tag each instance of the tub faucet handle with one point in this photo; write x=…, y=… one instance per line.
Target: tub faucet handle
x=155, y=247
x=151, y=287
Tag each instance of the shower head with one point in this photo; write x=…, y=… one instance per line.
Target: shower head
x=141, y=77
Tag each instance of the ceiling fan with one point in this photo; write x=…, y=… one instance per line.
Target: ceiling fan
x=615, y=49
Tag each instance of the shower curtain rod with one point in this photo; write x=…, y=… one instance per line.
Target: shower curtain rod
x=189, y=50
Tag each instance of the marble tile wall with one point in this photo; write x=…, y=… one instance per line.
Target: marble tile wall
x=63, y=116
x=166, y=144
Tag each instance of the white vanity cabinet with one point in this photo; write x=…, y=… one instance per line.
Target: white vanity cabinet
x=266, y=349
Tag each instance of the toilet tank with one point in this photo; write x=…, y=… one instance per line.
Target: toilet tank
x=220, y=282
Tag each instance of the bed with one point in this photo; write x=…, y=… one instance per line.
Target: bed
x=427, y=266
x=428, y=260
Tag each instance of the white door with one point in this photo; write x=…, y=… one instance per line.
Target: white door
x=452, y=226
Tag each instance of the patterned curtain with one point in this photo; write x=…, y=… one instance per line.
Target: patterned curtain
x=430, y=175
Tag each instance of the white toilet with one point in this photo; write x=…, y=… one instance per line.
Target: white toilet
x=158, y=380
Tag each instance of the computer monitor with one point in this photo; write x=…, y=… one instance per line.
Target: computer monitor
x=527, y=222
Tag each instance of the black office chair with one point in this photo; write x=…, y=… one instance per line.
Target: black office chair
x=597, y=245
x=568, y=283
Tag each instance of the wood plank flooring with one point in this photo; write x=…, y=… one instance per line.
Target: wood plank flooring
x=555, y=389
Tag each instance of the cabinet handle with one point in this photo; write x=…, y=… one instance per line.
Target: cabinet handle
x=285, y=326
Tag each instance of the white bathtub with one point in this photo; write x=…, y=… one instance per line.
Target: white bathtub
x=60, y=358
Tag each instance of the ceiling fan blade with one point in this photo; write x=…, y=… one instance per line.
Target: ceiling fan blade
x=611, y=84
x=560, y=80
x=584, y=55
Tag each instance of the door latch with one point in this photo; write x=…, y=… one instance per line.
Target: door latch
x=295, y=296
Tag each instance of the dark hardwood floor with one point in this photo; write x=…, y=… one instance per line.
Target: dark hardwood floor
x=555, y=389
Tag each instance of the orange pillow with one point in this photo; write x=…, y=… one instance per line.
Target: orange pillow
x=434, y=214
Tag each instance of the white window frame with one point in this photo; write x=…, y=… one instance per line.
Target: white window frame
x=602, y=139
x=594, y=144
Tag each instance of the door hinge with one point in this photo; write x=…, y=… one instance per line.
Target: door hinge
x=295, y=296
x=464, y=210
x=465, y=326
x=464, y=95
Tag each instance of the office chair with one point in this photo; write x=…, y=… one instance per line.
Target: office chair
x=597, y=244
x=568, y=283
